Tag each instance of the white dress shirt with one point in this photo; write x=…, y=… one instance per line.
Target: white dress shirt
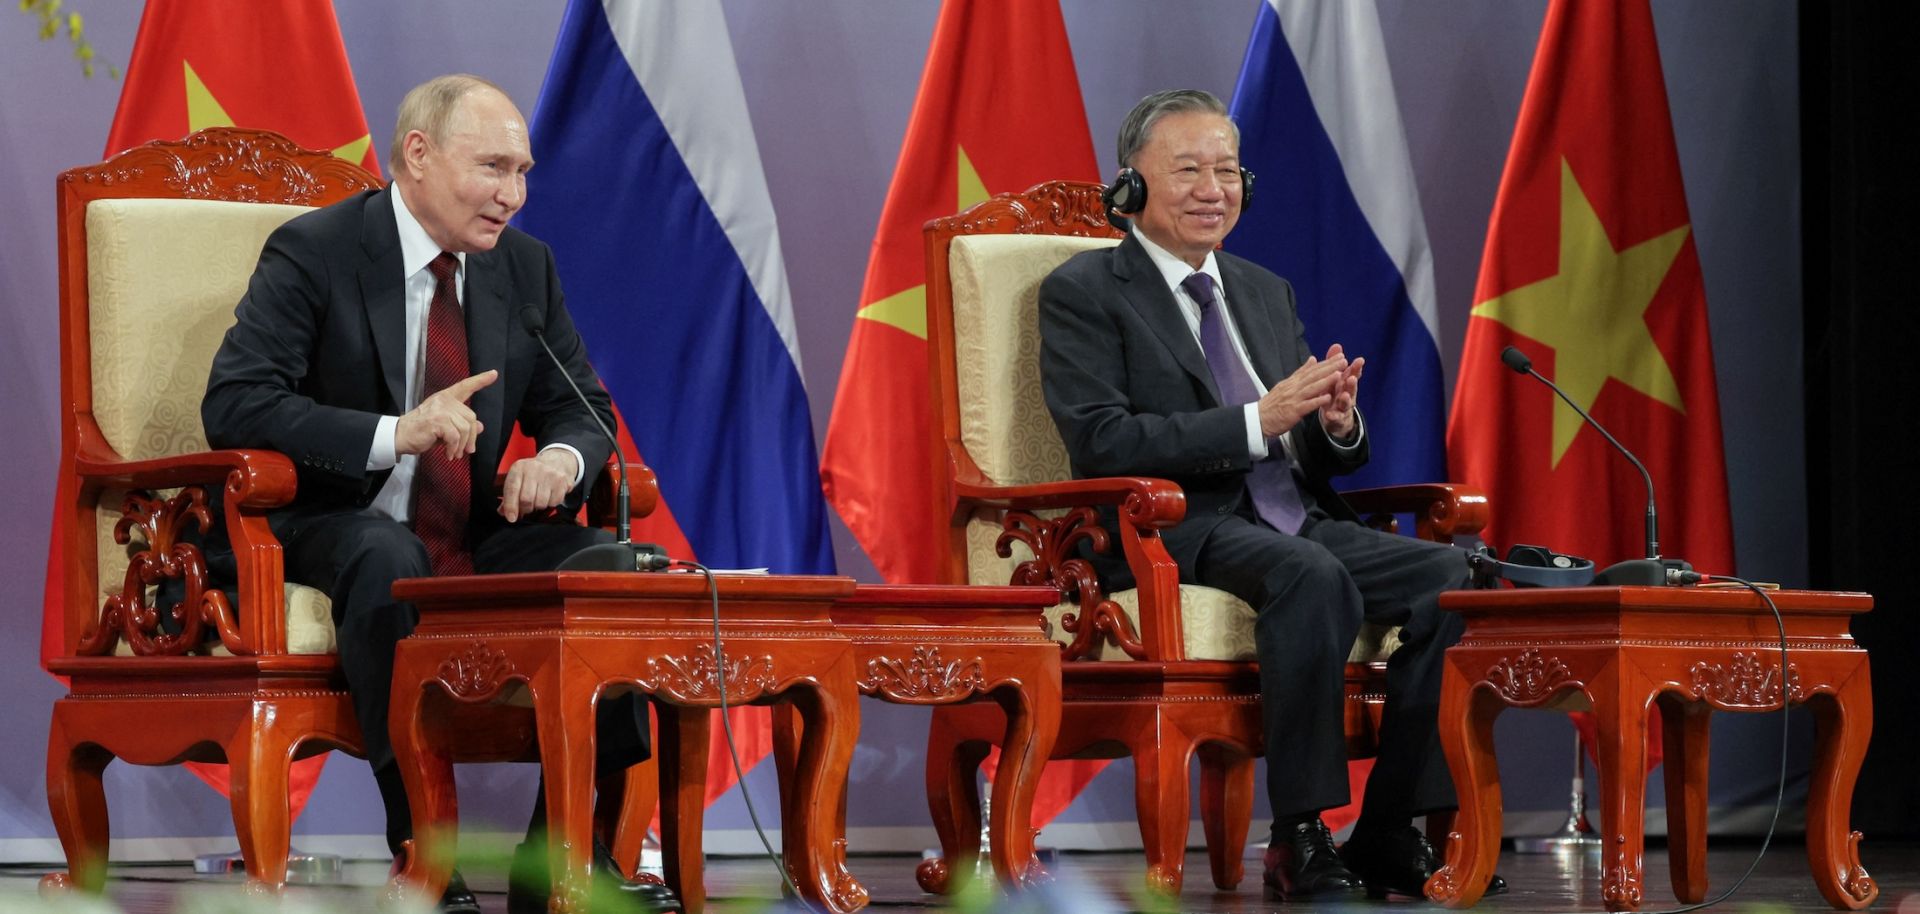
x=417, y=250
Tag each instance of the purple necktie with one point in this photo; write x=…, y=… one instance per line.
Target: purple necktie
x=1276, y=498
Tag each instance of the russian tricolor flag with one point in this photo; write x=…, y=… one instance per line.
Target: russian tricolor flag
x=1336, y=213
x=648, y=186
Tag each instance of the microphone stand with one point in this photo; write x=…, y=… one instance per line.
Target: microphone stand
x=1651, y=571
x=623, y=554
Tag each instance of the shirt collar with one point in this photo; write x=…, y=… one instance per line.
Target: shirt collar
x=417, y=248
x=1173, y=269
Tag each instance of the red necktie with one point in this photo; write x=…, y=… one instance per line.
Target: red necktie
x=442, y=488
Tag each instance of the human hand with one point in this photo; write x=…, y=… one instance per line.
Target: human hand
x=1337, y=417
x=443, y=419
x=537, y=483
x=1310, y=387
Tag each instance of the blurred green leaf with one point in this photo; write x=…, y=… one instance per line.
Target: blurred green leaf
x=51, y=23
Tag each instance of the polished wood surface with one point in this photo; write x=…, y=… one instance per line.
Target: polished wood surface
x=1161, y=709
x=1618, y=651
x=561, y=641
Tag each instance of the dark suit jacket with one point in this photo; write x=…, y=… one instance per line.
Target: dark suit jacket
x=317, y=356
x=1129, y=387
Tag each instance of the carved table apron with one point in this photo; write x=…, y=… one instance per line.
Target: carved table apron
x=559, y=639
x=1618, y=651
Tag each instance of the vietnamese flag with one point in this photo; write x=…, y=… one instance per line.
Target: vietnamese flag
x=228, y=63
x=1591, y=268
x=999, y=110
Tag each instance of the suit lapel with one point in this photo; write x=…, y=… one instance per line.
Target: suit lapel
x=383, y=287
x=486, y=312
x=1255, y=317
x=1146, y=291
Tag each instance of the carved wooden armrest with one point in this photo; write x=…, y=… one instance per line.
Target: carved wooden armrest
x=253, y=481
x=1146, y=506
x=1441, y=510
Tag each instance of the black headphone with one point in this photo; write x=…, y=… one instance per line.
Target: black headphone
x=1128, y=195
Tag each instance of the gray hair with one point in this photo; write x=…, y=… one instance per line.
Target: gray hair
x=429, y=107
x=1137, y=128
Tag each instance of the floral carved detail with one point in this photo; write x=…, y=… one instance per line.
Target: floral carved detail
x=1054, y=208
x=128, y=614
x=1055, y=543
x=1745, y=683
x=698, y=677
x=247, y=166
x=1529, y=678
x=477, y=673
x=1620, y=887
x=1855, y=882
x=924, y=677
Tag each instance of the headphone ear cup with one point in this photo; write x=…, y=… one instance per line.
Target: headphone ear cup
x=1246, y=189
x=1127, y=194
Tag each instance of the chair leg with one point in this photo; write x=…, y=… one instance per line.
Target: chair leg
x=1160, y=795
x=1226, y=810
x=259, y=762
x=78, y=804
x=953, y=801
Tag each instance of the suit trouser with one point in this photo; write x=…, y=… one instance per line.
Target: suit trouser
x=356, y=557
x=1310, y=593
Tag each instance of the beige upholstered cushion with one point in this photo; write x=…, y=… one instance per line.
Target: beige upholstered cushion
x=1006, y=428
x=163, y=277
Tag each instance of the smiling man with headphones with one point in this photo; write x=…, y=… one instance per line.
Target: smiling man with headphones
x=1166, y=357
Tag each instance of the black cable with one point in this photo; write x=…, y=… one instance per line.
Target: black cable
x=726, y=727
x=1786, y=697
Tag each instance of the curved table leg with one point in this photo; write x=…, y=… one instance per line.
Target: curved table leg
x=1466, y=737
x=78, y=803
x=1620, y=702
x=815, y=853
x=1161, y=759
x=563, y=708
x=682, y=751
x=626, y=806
x=1226, y=810
x=1684, y=728
x=1843, y=722
x=426, y=770
x=1033, y=722
x=953, y=800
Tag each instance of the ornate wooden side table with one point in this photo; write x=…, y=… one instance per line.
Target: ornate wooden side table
x=563, y=640
x=1619, y=650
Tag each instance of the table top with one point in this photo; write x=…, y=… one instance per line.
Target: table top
x=1737, y=600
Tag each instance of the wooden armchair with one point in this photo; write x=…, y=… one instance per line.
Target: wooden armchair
x=1159, y=672
x=155, y=247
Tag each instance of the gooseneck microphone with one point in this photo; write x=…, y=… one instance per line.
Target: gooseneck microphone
x=623, y=554
x=1652, y=570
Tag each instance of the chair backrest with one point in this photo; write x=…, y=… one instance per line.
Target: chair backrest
x=155, y=248
x=991, y=424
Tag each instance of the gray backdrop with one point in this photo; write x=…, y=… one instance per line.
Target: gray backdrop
x=830, y=84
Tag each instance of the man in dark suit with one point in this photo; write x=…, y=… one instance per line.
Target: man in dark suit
x=1166, y=357
x=380, y=347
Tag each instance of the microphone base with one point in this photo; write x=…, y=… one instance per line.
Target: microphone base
x=1642, y=573
x=616, y=557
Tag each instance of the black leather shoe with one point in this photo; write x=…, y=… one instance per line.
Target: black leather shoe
x=1395, y=863
x=458, y=899
x=1495, y=886
x=528, y=884
x=1301, y=863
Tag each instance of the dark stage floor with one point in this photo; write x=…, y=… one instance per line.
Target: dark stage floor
x=1087, y=883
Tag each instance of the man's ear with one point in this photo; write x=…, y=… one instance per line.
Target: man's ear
x=413, y=152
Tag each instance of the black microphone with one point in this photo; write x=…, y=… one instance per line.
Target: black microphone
x=623, y=554
x=1653, y=570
